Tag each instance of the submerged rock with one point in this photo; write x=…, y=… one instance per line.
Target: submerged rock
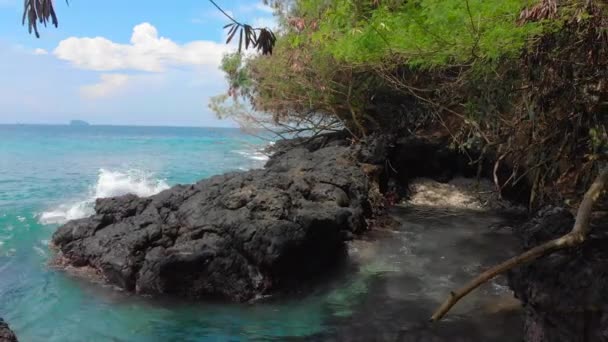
x=235, y=236
x=564, y=294
x=6, y=335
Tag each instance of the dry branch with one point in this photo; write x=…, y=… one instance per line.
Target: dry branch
x=575, y=237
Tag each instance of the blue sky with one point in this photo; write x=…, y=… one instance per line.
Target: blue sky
x=135, y=62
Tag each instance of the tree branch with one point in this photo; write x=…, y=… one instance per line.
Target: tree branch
x=575, y=237
x=42, y=11
x=224, y=13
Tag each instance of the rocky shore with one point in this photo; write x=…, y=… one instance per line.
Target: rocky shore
x=243, y=235
x=236, y=236
x=240, y=236
x=564, y=294
x=6, y=335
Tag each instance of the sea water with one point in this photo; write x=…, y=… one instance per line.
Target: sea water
x=51, y=174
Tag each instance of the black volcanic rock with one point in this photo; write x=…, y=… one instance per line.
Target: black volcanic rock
x=234, y=236
x=6, y=335
x=565, y=294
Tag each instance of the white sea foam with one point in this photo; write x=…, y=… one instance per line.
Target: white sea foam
x=109, y=184
x=253, y=155
x=39, y=251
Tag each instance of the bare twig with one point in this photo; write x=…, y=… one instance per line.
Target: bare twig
x=575, y=237
x=495, y=172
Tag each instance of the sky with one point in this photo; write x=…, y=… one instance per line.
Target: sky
x=119, y=62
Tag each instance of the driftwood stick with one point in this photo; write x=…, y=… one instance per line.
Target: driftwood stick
x=576, y=236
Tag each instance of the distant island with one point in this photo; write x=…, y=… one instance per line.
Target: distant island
x=80, y=123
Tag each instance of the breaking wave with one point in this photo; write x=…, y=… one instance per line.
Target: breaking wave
x=109, y=184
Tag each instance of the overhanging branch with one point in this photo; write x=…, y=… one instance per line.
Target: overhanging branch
x=575, y=237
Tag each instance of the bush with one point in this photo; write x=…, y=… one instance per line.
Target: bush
x=519, y=80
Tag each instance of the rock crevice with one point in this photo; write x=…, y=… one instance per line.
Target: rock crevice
x=6, y=335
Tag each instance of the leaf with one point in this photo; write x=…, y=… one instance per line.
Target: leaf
x=54, y=16
x=25, y=11
x=247, y=36
x=240, y=40
x=265, y=41
x=231, y=34
x=39, y=11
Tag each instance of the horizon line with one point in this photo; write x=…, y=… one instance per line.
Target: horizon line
x=111, y=125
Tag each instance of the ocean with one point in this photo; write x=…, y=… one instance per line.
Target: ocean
x=50, y=174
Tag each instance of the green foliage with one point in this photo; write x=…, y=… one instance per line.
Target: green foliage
x=494, y=75
x=349, y=60
x=426, y=33
x=236, y=74
x=598, y=139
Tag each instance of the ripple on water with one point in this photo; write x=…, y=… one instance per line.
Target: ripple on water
x=388, y=292
x=427, y=257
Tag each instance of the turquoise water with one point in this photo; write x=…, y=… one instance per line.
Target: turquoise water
x=49, y=174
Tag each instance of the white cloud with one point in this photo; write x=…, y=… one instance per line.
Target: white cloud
x=264, y=8
x=257, y=7
x=108, y=84
x=263, y=22
x=146, y=52
x=40, y=51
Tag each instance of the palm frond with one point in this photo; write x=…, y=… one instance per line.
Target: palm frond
x=39, y=12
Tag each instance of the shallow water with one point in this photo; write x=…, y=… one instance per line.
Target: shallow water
x=409, y=270
x=393, y=281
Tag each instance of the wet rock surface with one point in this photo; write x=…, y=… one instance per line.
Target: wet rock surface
x=564, y=294
x=235, y=236
x=6, y=335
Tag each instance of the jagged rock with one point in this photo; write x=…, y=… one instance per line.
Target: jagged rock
x=235, y=236
x=564, y=294
x=6, y=335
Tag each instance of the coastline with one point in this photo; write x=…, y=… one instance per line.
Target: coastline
x=6, y=334
x=316, y=194
x=263, y=222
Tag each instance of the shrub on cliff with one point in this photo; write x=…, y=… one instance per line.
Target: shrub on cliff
x=521, y=80
x=339, y=59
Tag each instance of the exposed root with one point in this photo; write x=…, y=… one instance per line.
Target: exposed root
x=575, y=237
